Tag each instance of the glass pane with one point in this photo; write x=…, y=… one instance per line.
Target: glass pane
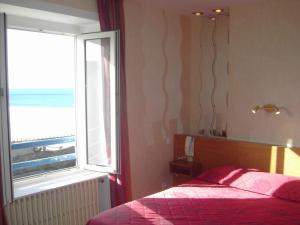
x=98, y=101
x=41, y=96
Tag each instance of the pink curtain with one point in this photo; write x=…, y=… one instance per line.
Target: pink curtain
x=105, y=52
x=111, y=17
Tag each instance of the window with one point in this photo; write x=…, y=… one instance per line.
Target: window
x=41, y=89
x=59, y=102
x=98, y=92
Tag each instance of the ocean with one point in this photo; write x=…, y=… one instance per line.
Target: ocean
x=42, y=97
x=41, y=113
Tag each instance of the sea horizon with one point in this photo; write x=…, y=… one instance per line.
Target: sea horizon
x=37, y=97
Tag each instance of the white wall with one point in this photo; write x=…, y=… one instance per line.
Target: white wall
x=88, y=5
x=265, y=68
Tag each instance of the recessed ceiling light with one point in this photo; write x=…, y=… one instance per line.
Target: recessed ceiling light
x=198, y=13
x=218, y=10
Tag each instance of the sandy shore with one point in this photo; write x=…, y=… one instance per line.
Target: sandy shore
x=29, y=123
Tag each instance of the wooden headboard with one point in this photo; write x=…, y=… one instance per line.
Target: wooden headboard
x=212, y=152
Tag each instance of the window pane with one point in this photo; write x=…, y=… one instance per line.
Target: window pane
x=98, y=101
x=41, y=96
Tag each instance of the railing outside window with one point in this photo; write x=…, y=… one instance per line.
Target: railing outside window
x=41, y=156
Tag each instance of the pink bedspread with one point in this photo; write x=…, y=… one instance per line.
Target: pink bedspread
x=202, y=203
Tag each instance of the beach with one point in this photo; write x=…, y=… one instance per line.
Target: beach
x=30, y=123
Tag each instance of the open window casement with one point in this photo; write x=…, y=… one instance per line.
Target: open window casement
x=98, y=101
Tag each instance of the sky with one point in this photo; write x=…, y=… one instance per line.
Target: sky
x=40, y=60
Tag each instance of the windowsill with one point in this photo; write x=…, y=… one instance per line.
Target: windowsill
x=50, y=181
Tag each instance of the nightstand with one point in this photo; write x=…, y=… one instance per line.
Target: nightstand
x=184, y=170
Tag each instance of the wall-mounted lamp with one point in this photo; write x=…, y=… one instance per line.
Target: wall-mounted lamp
x=214, y=12
x=269, y=108
x=198, y=13
x=218, y=10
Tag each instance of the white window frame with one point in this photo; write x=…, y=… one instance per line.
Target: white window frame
x=81, y=100
x=4, y=131
x=4, y=111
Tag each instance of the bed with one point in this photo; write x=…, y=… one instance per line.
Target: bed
x=220, y=196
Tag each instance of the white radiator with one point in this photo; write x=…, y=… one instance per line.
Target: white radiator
x=70, y=205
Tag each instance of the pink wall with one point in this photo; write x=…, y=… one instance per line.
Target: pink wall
x=154, y=66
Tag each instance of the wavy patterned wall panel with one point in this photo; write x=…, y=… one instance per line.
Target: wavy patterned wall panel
x=214, y=90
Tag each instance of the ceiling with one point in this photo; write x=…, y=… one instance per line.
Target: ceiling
x=189, y=6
